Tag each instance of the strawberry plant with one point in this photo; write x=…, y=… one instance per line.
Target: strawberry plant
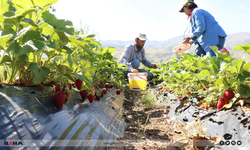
x=211, y=77
x=31, y=32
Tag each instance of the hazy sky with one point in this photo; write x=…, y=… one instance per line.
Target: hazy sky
x=159, y=19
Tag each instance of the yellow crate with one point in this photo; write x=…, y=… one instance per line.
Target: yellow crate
x=137, y=81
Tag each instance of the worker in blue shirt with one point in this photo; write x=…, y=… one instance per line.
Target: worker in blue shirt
x=134, y=54
x=206, y=31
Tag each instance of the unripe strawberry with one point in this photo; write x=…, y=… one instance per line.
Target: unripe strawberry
x=92, y=91
x=63, y=69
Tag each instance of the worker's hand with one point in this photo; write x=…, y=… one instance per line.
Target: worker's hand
x=186, y=40
x=134, y=71
x=153, y=66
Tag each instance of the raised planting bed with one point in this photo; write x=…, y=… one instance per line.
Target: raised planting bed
x=31, y=119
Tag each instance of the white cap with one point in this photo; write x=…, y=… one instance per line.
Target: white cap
x=142, y=36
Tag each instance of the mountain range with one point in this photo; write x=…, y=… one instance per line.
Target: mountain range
x=164, y=48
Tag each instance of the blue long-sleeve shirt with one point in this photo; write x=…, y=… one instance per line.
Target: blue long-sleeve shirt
x=206, y=28
x=130, y=53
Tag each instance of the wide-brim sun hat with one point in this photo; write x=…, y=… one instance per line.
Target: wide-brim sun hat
x=184, y=3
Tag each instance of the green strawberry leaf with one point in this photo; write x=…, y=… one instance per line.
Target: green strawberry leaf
x=39, y=73
x=245, y=48
x=247, y=66
x=70, y=60
x=4, y=39
x=43, y=3
x=243, y=75
x=58, y=24
x=4, y=5
x=34, y=40
x=6, y=58
x=244, y=91
x=204, y=74
x=238, y=64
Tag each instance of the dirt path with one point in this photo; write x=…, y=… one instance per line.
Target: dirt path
x=148, y=129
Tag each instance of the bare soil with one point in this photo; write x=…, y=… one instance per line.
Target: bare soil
x=148, y=128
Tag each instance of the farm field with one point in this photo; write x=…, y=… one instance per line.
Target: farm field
x=59, y=83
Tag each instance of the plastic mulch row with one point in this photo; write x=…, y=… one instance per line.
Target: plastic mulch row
x=232, y=125
x=30, y=119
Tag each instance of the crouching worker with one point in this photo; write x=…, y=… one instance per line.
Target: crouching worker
x=206, y=31
x=134, y=54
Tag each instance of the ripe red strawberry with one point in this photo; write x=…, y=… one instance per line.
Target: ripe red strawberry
x=91, y=98
x=226, y=100
x=118, y=92
x=101, y=82
x=221, y=103
x=100, y=85
x=63, y=88
x=78, y=83
x=70, y=86
x=104, y=91
x=83, y=94
x=98, y=97
x=228, y=95
x=60, y=98
x=107, y=85
x=57, y=88
x=203, y=107
x=52, y=83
